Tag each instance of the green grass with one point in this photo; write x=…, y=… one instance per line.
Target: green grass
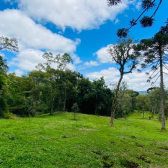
x=88, y=142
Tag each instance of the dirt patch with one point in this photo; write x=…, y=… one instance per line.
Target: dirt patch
x=112, y=142
x=12, y=138
x=64, y=136
x=133, y=137
x=106, y=157
x=129, y=164
x=105, y=165
x=87, y=129
x=97, y=152
x=139, y=145
x=164, y=148
x=142, y=157
x=158, y=154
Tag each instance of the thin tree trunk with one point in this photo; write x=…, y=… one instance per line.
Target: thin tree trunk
x=152, y=113
x=65, y=100
x=52, y=106
x=124, y=114
x=29, y=116
x=114, y=102
x=74, y=115
x=162, y=94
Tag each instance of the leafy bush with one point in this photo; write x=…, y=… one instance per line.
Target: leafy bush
x=9, y=115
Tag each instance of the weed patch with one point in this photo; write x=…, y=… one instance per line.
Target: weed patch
x=106, y=165
x=143, y=158
x=128, y=164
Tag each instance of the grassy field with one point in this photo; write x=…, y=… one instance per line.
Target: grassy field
x=88, y=142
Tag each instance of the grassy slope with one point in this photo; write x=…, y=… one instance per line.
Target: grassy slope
x=58, y=141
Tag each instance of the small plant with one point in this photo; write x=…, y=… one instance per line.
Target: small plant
x=9, y=115
x=75, y=109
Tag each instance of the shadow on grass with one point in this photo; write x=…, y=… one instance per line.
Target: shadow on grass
x=48, y=115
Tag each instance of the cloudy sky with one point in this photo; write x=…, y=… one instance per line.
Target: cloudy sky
x=82, y=28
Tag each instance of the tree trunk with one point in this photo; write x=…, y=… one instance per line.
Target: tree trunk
x=162, y=93
x=74, y=115
x=29, y=116
x=52, y=106
x=124, y=114
x=65, y=100
x=114, y=102
x=152, y=113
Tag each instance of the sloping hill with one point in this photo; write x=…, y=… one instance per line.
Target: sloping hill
x=59, y=141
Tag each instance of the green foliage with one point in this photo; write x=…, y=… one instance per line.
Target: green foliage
x=3, y=106
x=3, y=66
x=75, y=109
x=9, y=115
x=143, y=103
x=9, y=44
x=3, y=92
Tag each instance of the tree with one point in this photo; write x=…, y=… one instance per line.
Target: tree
x=3, y=66
x=126, y=57
x=61, y=61
x=154, y=96
x=55, y=76
x=37, y=78
x=3, y=92
x=123, y=101
x=75, y=109
x=133, y=94
x=143, y=103
x=146, y=21
x=9, y=44
x=155, y=57
x=97, y=95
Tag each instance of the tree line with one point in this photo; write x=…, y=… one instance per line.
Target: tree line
x=49, y=89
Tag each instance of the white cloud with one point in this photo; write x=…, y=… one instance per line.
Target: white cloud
x=91, y=63
x=77, y=14
x=76, y=59
x=15, y=23
x=138, y=5
x=136, y=81
x=108, y=74
x=103, y=56
x=27, y=59
x=88, y=64
x=116, y=21
x=18, y=72
x=71, y=67
x=32, y=39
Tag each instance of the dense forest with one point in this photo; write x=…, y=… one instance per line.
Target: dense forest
x=49, y=89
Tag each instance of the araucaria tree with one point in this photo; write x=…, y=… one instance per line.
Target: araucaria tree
x=145, y=21
x=156, y=57
x=126, y=57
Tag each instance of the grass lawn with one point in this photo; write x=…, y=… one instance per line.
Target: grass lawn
x=88, y=142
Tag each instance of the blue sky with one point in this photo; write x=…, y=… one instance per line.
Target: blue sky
x=83, y=28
